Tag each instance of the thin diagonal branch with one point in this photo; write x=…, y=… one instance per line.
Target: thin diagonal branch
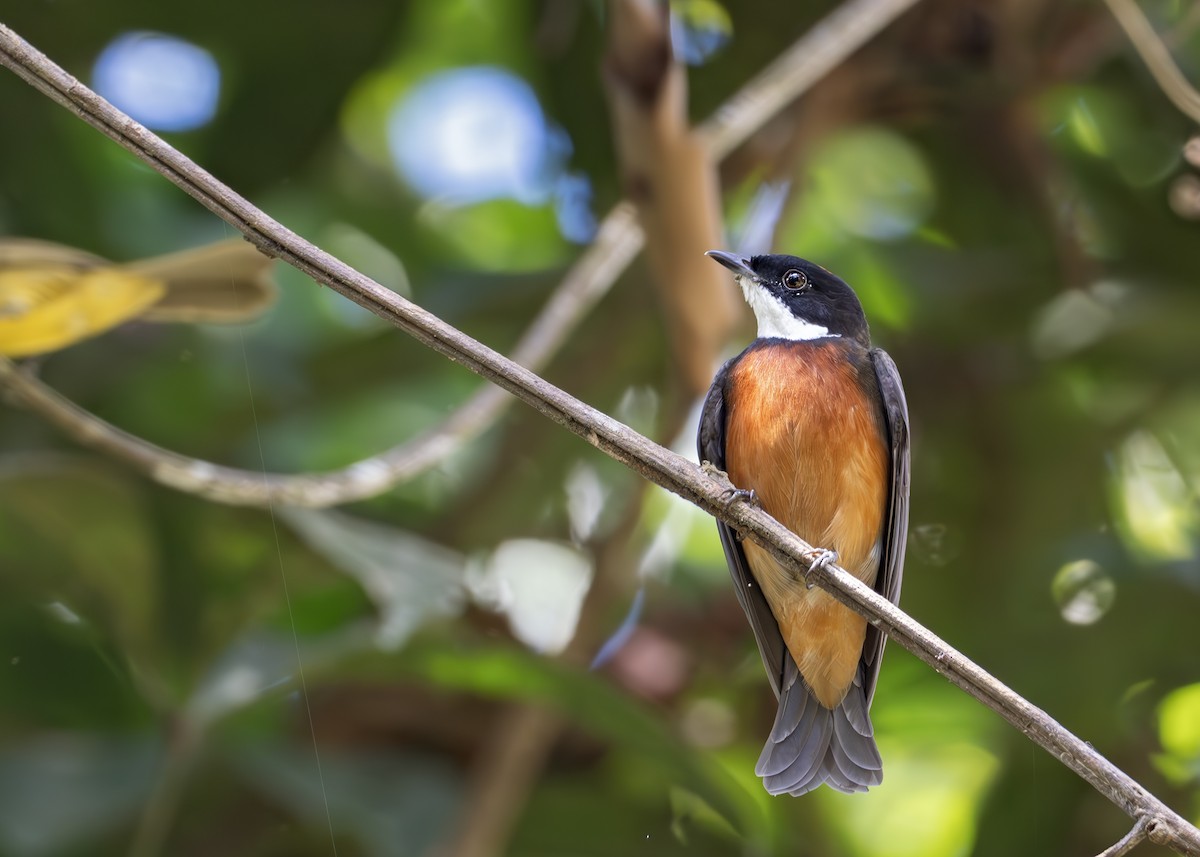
x=659, y=465
x=1140, y=830
x=846, y=29
x=617, y=241
x=1156, y=57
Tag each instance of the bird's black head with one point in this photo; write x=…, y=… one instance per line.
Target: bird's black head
x=795, y=299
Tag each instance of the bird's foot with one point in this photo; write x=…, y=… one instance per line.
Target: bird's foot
x=731, y=494
x=749, y=495
x=817, y=558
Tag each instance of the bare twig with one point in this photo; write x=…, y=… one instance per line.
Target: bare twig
x=824, y=47
x=1156, y=56
x=1141, y=828
x=659, y=465
x=618, y=240
x=502, y=779
x=154, y=825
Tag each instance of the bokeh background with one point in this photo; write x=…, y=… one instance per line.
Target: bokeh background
x=1002, y=181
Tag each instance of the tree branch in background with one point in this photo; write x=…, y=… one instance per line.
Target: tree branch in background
x=618, y=240
x=655, y=463
x=1130, y=840
x=669, y=175
x=500, y=782
x=1156, y=56
x=616, y=243
x=842, y=32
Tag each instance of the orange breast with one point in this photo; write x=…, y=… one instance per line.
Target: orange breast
x=805, y=435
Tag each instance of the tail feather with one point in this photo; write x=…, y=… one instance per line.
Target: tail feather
x=839, y=778
x=857, y=744
x=792, y=708
x=855, y=704
x=811, y=744
x=798, y=761
x=847, y=772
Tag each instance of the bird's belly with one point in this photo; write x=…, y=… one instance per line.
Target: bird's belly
x=806, y=435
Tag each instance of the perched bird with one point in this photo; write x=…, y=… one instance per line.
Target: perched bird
x=53, y=296
x=813, y=421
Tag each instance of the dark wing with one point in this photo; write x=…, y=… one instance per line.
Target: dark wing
x=895, y=537
x=711, y=447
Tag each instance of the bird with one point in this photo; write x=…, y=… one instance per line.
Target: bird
x=53, y=296
x=810, y=422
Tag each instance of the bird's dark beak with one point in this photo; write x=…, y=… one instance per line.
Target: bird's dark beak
x=737, y=264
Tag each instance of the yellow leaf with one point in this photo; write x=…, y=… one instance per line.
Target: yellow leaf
x=48, y=308
x=229, y=281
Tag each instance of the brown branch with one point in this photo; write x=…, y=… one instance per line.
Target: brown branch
x=668, y=173
x=1141, y=829
x=502, y=779
x=154, y=825
x=655, y=463
x=1156, y=57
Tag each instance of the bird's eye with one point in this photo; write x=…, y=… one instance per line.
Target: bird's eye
x=795, y=280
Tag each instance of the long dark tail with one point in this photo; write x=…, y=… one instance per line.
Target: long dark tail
x=811, y=744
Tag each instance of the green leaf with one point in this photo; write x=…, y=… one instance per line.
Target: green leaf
x=872, y=183
x=500, y=235
x=1179, y=722
x=75, y=533
x=688, y=808
x=1155, y=509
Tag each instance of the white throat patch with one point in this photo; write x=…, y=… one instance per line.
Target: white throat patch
x=775, y=320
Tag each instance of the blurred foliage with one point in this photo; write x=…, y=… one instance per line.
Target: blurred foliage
x=1005, y=216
